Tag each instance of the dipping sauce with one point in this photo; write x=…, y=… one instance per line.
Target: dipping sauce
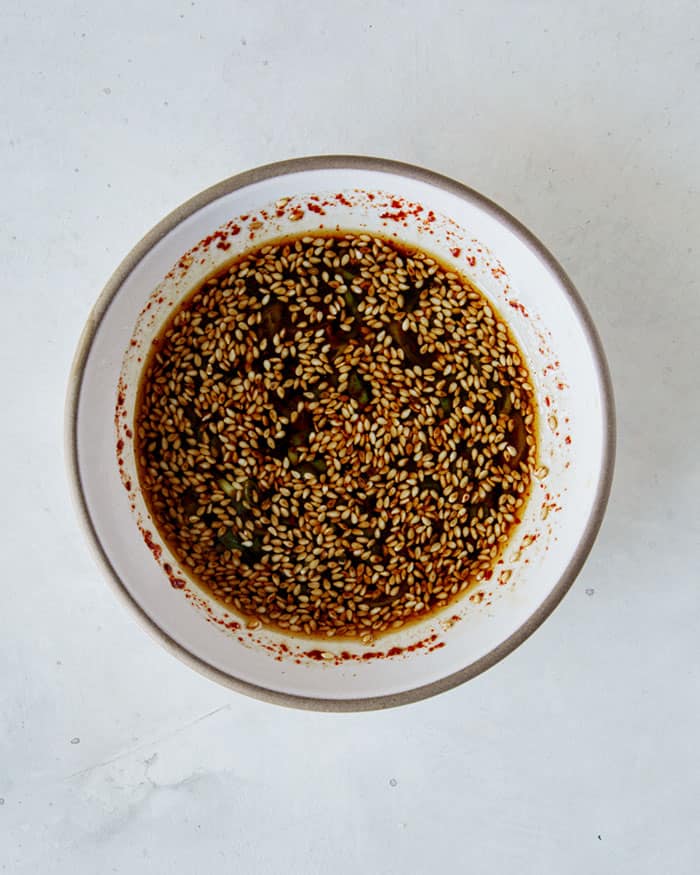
x=335, y=435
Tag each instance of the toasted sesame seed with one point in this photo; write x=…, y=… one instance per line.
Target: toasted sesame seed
x=336, y=435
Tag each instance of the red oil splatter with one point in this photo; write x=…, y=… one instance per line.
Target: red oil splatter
x=318, y=655
x=516, y=305
x=399, y=216
x=155, y=549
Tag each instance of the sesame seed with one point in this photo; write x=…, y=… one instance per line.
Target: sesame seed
x=336, y=435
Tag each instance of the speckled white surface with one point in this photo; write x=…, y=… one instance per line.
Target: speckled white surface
x=578, y=753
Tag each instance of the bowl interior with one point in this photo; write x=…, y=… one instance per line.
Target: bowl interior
x=523, y=284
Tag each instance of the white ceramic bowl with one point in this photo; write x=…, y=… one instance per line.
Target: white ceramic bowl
x=529, y=290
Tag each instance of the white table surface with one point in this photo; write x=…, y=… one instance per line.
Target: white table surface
x=578, y=753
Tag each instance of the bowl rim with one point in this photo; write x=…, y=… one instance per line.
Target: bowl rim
x=280, y=169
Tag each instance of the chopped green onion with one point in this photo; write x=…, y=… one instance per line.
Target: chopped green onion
x=359, y=389
x=248, y=493
x=230, y=541
x=351, y=301
x=446, y=407
x=313, y=466
x=272, y=319
x=227, y=487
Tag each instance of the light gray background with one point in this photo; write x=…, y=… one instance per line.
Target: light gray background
x=579, y=752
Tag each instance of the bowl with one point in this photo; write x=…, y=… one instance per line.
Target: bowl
x=524, y=284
